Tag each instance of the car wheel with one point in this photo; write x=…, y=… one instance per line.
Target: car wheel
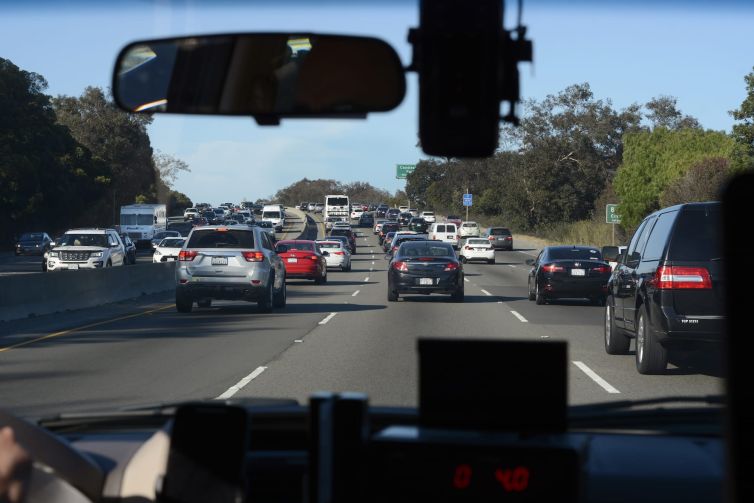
x=266, y=302
x=392, y=295
x=319, y=280
x=491, y=261
x=616, y=342
x=204, y=303
x=531, y=292
x=539, y=297
x=109, y=264
x=183, y=303
x=458, y=295
x=281, y=296
x=651, y=356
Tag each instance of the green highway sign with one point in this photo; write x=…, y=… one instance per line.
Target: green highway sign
x=403, y=170
x=611, y=214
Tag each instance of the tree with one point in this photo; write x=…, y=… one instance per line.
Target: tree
x=653, y=160
x=169, y=167
x=743, y=131
x=703, y=181
x=663, y=112
x=116, y=139
x=46, y=177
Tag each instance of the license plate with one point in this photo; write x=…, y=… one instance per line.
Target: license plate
x=219, y=260
x=171, y=259
x=426, y=281
x=73, y=267
x=292, y=260
x=578, y=272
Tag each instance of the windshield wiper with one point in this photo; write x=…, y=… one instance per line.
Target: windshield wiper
x=633, y=404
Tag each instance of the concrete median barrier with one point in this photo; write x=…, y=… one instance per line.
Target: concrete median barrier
x=25, y=295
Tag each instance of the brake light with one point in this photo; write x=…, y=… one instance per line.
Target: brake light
x=602, y=268
x=452, y=266
x=682, y=278
x=253, y=256
x=314, y=257
x=491, y=238
x=553, y=268
x=186, y=255
x=508, y=237
x=400, y=266
x=339, y=253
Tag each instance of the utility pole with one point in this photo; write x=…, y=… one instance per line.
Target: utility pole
x=467, y=208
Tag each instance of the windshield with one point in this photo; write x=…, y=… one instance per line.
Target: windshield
x=98, y=240
x=32, y=237
x=285, y=247
x=624, y=112
x=172, y=243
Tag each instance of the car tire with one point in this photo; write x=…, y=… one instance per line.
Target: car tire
x=392, y=295
x=322, y=279
x=265, y=304
x=458, y=295
x=280, y=298
x=539, y=297
x=616, y=342
x=109, y=264
x=651, y=356
x=183, y=303
x=531, y=292
x=492, y=261
x=204, y=303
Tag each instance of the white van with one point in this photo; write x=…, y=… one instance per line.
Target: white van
x=273, y=214
x=444, y=231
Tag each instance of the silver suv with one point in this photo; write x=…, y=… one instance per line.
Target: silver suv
x=229, y=263
x=87, y=249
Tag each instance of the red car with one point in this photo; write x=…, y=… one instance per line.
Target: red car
x=303, y=259
x=454, y=219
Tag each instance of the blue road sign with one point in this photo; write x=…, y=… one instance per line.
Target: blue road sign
x=467, y=199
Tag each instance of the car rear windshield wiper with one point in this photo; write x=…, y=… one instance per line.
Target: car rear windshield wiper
x=633, y=404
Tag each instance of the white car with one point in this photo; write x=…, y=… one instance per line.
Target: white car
x=470, y=229
x=167, y=250
x=429, y=216
x=477, y=249
x=341, y=225
x=87, y=249
x=338, y=255
x=378, y=225
x=414, y=212
x=330, y=221
x=190, y=213
x=356, y=213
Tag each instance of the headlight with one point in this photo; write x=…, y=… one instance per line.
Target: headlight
x=53, y=254
x=96, y=254
x=157, y=252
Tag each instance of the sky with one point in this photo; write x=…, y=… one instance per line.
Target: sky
x=628, y=52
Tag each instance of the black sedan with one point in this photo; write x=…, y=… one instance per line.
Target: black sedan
x=366, y=220
x=418, y=224
x=568, y=272
x=425, y=267
x=34, y=243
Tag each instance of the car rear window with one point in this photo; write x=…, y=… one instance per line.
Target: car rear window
x=440, y=228
x=499, y=231
x=426, y=249
x=330, y=244
x=696, y=236
x=574, y=254
x=450, y=228
x=213, y=238
x=477, y=242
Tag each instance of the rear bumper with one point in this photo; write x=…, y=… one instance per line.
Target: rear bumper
x=672, y=328
x=471, y=256
x=581, y=288
x=502, y=245
x=405, y=283
x=222, y=291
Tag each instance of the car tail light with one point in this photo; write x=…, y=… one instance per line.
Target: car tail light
x=553, y=268
x=187, y=255
x=682, y=278
x=602, y=268
x=451, y=266
x=339, y=253
x=509, y=238
x=467, y=247
x=313, y=257
x=253, y=256
x=491, y=238
x=400, y=266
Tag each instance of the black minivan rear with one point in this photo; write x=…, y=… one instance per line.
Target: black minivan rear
x=667, y=290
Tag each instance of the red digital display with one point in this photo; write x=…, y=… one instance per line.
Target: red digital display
x=511, y=480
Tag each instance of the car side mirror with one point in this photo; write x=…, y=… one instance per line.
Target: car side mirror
x=530, y=261
x=633, y=260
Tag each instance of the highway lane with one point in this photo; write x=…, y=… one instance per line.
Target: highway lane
x=368, y=345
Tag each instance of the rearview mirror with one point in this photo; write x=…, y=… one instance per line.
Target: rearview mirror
x=264, y=75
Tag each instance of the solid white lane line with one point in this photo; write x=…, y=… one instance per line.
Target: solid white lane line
x=355, y=293
x=486, y=292
x=366, y=279
x=594, y=377
x=466, y=280
x=240, y=384
x=521, y=318
x=327, y=318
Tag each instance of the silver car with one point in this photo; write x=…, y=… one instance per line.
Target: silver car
x=229, y=263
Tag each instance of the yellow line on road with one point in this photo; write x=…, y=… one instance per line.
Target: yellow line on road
x=84, y=327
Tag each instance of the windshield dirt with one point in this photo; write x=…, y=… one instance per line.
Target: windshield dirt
x=627, y=109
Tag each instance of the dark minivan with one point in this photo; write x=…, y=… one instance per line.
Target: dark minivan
x=667, y=289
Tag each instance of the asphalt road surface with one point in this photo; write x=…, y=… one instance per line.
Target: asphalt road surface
x=343, y=335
